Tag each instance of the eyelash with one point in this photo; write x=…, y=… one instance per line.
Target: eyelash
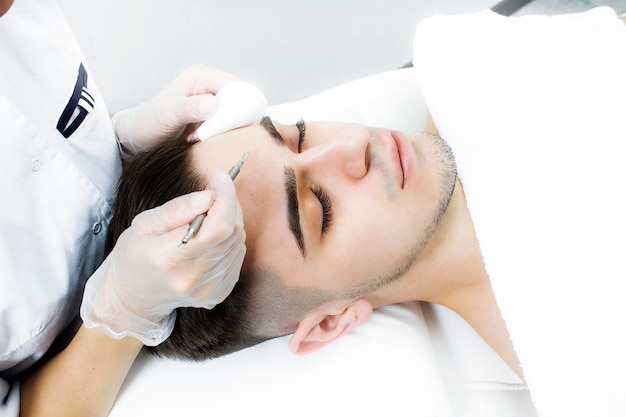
x=301, y=133
x=327, y=213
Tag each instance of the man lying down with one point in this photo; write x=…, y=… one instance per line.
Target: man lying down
x=525, y=243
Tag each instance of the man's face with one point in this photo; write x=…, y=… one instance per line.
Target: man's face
x=346, y=206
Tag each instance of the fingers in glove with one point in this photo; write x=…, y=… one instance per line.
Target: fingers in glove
x=192, y=109
x=224, y=218
x=200, y=79
x=218, y=285
x=197, y=85
x=175, y=214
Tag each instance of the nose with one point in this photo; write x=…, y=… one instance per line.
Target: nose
x=344, y=151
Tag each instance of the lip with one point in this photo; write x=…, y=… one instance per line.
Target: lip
x=393, y=154
x=401, y=154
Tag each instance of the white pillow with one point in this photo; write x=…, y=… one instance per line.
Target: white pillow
x=389, y=99
x=384, y=368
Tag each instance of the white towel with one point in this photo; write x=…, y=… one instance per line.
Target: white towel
x=534, y=108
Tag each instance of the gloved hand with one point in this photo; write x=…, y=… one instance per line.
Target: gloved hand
x=188, y=99
x=147, y=275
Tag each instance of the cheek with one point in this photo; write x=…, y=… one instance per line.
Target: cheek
x=373, y=240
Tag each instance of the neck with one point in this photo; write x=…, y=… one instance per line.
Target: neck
x=451, y=272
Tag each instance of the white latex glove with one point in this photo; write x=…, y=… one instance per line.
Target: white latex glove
x=188, y=99
x=147, y=276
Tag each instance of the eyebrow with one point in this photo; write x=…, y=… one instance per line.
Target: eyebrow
x=268, y=125
x=293, y=213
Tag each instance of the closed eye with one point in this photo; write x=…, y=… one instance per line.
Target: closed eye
x=327, y=210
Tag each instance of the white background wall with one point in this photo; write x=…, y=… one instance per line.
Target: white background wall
x=288, y=48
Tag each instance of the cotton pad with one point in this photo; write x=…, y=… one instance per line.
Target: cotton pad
x=238, y=104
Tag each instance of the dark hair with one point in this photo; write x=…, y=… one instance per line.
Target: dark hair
x=148, y=180
x=250, y=314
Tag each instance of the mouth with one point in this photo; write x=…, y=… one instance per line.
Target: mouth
x=393, y=150
x=401, y=154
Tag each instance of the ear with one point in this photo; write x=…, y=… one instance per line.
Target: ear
x=327, y=323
